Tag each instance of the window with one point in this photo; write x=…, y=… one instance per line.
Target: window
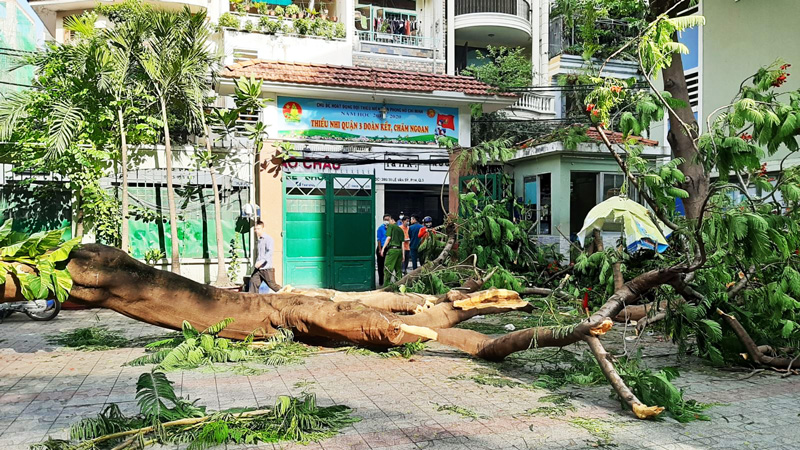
x=2, y=10
x=537, y=198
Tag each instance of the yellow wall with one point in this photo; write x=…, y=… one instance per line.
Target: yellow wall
x=270, y=200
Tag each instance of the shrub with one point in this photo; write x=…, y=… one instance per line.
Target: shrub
x=228, y=20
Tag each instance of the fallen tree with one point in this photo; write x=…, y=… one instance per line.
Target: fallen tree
x=106, y=277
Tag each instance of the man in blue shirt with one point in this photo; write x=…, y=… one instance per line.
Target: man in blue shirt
x=413, y=240
x=381, y=240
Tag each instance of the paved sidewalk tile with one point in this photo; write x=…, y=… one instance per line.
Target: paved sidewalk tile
x=402, y=403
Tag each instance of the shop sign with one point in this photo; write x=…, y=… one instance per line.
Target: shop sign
x=390, y=166
x=305, y=118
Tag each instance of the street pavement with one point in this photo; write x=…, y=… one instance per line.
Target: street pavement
x=403, y=403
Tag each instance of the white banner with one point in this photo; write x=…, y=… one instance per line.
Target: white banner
x=390, y=166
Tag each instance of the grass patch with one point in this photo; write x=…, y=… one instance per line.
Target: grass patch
x=90, y=339
x=561, y=406
x=406, y=350
x=599, y=429
x=487, y=376
x=461, y=411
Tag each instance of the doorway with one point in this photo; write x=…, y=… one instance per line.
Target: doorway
x=329, y=234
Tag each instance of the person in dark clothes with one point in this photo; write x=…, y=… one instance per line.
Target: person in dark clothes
x=413, y=241
x=264, y=270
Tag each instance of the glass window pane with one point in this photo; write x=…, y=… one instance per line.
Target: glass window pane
x=544, y=211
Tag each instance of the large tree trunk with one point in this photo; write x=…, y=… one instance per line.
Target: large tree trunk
x=683, y=143
x=173, y=214
x=124, y=163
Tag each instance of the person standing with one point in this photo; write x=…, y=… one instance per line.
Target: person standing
x=264, y=270
x=379, y=256
x=406, y=244
x=424, y=232
x=393, y=252
x=413, y=241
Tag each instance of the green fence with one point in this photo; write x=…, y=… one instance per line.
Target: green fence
x=149, y=225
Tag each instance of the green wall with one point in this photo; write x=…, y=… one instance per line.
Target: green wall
x=741, y=36
x=560, y=167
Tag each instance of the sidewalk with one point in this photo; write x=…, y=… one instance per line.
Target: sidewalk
x=44, y=389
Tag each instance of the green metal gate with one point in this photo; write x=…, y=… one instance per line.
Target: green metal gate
x=329, y=231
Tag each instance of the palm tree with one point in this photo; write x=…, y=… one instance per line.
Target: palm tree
x=176, y=61
x=124, y=40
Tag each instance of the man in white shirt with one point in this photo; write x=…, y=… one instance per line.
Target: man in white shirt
x=264, y=270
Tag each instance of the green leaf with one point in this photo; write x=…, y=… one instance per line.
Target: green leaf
x=5, y=229
x=788, y=327
x=62, y=252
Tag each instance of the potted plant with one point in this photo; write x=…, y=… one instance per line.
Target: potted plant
x=302, y=26
x=293, y=11
x=263, y=9
x=228, y=20
x=242, y=7
x=279, y=11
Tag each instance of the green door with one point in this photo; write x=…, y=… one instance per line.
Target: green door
x=329, y=231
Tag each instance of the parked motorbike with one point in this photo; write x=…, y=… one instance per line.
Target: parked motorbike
x=35, y=309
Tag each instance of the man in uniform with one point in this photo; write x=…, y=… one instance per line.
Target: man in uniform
x=393, y=252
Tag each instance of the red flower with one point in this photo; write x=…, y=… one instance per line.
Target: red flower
x=747, y=137
x=785, y=66
x=589, y=107
x=616, y=89
x=586, y=300
x=595, y=113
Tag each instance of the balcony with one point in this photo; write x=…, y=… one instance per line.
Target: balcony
x=493, y=22
x=52, y=12
x=251, y=36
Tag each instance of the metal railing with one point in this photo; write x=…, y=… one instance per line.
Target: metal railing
x=539, y=103
x=521, y=8
x=395, y=39
x=561, y=37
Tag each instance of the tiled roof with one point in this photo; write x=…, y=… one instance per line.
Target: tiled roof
x=357, y=77
x=615, y=137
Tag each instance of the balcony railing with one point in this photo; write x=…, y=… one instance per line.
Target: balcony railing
x=567, y=39
x=396, y=39
x=521, y=8
x=534, y=102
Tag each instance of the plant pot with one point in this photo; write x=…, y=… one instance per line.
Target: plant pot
x=271, y=12
x=294, y=16
x=324, y=16
x=335, y=19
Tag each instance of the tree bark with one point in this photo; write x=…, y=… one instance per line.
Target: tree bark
x=125, y=238
x=683, y=144
x=173, y=215
x=222, y=271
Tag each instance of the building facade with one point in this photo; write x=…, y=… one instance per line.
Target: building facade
x=366, y=97
x=19, y=35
